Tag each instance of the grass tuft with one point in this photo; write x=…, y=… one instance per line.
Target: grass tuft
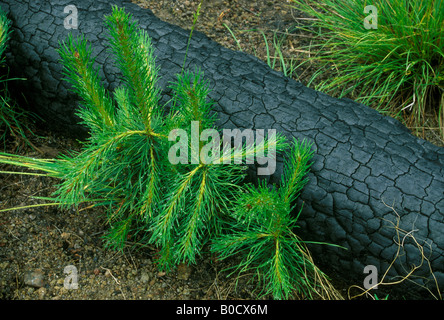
x=391, y=58
x=12, y=118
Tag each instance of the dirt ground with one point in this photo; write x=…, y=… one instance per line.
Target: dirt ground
x=42, y=247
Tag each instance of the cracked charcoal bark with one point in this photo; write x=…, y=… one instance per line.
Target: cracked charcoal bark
x=361, y=157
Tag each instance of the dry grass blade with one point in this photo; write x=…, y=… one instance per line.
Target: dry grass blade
x=410, y=273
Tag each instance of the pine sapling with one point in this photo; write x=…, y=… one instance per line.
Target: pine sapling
x=263, y=235
x=125, y=165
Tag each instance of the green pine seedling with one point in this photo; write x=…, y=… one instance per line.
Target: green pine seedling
x=263, y=234
x=200, y=193
x=125, y=164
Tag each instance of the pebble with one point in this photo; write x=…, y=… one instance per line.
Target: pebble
x=145, y=277
x=184, y=271
x=41, y=292
x=34, y=278
x=161, y=273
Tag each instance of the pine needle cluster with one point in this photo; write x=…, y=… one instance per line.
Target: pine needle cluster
x=263, y=233
x=125, y=166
